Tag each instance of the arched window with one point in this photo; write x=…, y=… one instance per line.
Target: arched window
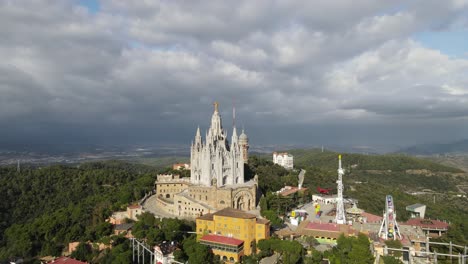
x=231, y=259
x=168, y=196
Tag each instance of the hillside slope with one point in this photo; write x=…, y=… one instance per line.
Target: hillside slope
x=392, y=162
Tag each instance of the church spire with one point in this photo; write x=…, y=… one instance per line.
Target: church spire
x=234, y=135
x=216, y=127
x=198, y=139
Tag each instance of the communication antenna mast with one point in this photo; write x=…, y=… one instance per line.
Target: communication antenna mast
x=18, y=166
x=340, y=212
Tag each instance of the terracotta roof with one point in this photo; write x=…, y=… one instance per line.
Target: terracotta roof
x=66, y=260
x=134, y=206
x=371, y=218
x=262, y=221
x=222, y=240
x=427, y=223
x=206, y=217
x=231, y=212
x=292, y=190
x=323, y=227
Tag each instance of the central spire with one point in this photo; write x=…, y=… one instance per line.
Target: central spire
x=216, y=127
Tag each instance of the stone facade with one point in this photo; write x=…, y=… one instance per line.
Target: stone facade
x=216, y=178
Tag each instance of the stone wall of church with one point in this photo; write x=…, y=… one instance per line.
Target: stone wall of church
x=244, y=198
x=188, y=208
x=167, y=190
x=182, y=199
x=203, y=194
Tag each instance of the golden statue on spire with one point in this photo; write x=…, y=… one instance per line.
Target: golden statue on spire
x=216, y=104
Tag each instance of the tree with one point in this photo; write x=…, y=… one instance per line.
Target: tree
x=315, y=258
x=292, y=251
x=351, y=250
x=196, y=252
x=263, y=204
x=394, y=244
x=82, y=252
x=311, y=242
x=273, y=217
x=360, y=252
x=180, y=256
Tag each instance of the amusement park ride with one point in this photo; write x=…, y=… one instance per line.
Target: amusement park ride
x=389, y=228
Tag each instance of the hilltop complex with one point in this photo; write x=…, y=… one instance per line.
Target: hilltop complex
x=216, y=176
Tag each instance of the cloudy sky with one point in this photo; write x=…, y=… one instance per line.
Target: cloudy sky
x=362, y=73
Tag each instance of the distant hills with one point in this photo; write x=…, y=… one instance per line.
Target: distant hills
x=392, y=162
x=457, y=147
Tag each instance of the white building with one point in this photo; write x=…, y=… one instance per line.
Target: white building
x=284, y=159
x=215, y=161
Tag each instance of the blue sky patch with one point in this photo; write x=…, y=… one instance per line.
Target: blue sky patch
x=452, y=43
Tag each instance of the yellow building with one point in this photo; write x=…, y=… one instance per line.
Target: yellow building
x=231, y=233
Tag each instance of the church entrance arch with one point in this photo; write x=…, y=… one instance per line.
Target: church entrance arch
x=243, y=200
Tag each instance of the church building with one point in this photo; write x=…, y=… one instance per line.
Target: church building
x=215, y=161
x=216, y=175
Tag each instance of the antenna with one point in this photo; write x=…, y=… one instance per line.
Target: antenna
x=18, y=167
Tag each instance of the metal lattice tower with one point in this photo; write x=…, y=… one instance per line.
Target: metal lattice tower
x=389, y=228
x=340, y=212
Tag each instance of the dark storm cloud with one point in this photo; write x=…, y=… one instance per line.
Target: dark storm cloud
x=150, y=70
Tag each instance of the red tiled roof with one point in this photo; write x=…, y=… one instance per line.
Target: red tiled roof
x=323, y=226
x=427, y=223
x=371, y=218
x=134, y=206
x=222, y=240
x=66, y=260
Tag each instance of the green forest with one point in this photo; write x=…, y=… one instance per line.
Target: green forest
x=43, y=209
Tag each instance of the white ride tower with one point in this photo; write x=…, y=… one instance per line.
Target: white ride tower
x=340, y=212
x=389, y=228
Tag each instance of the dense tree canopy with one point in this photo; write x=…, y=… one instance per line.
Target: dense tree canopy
x=45, y=208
